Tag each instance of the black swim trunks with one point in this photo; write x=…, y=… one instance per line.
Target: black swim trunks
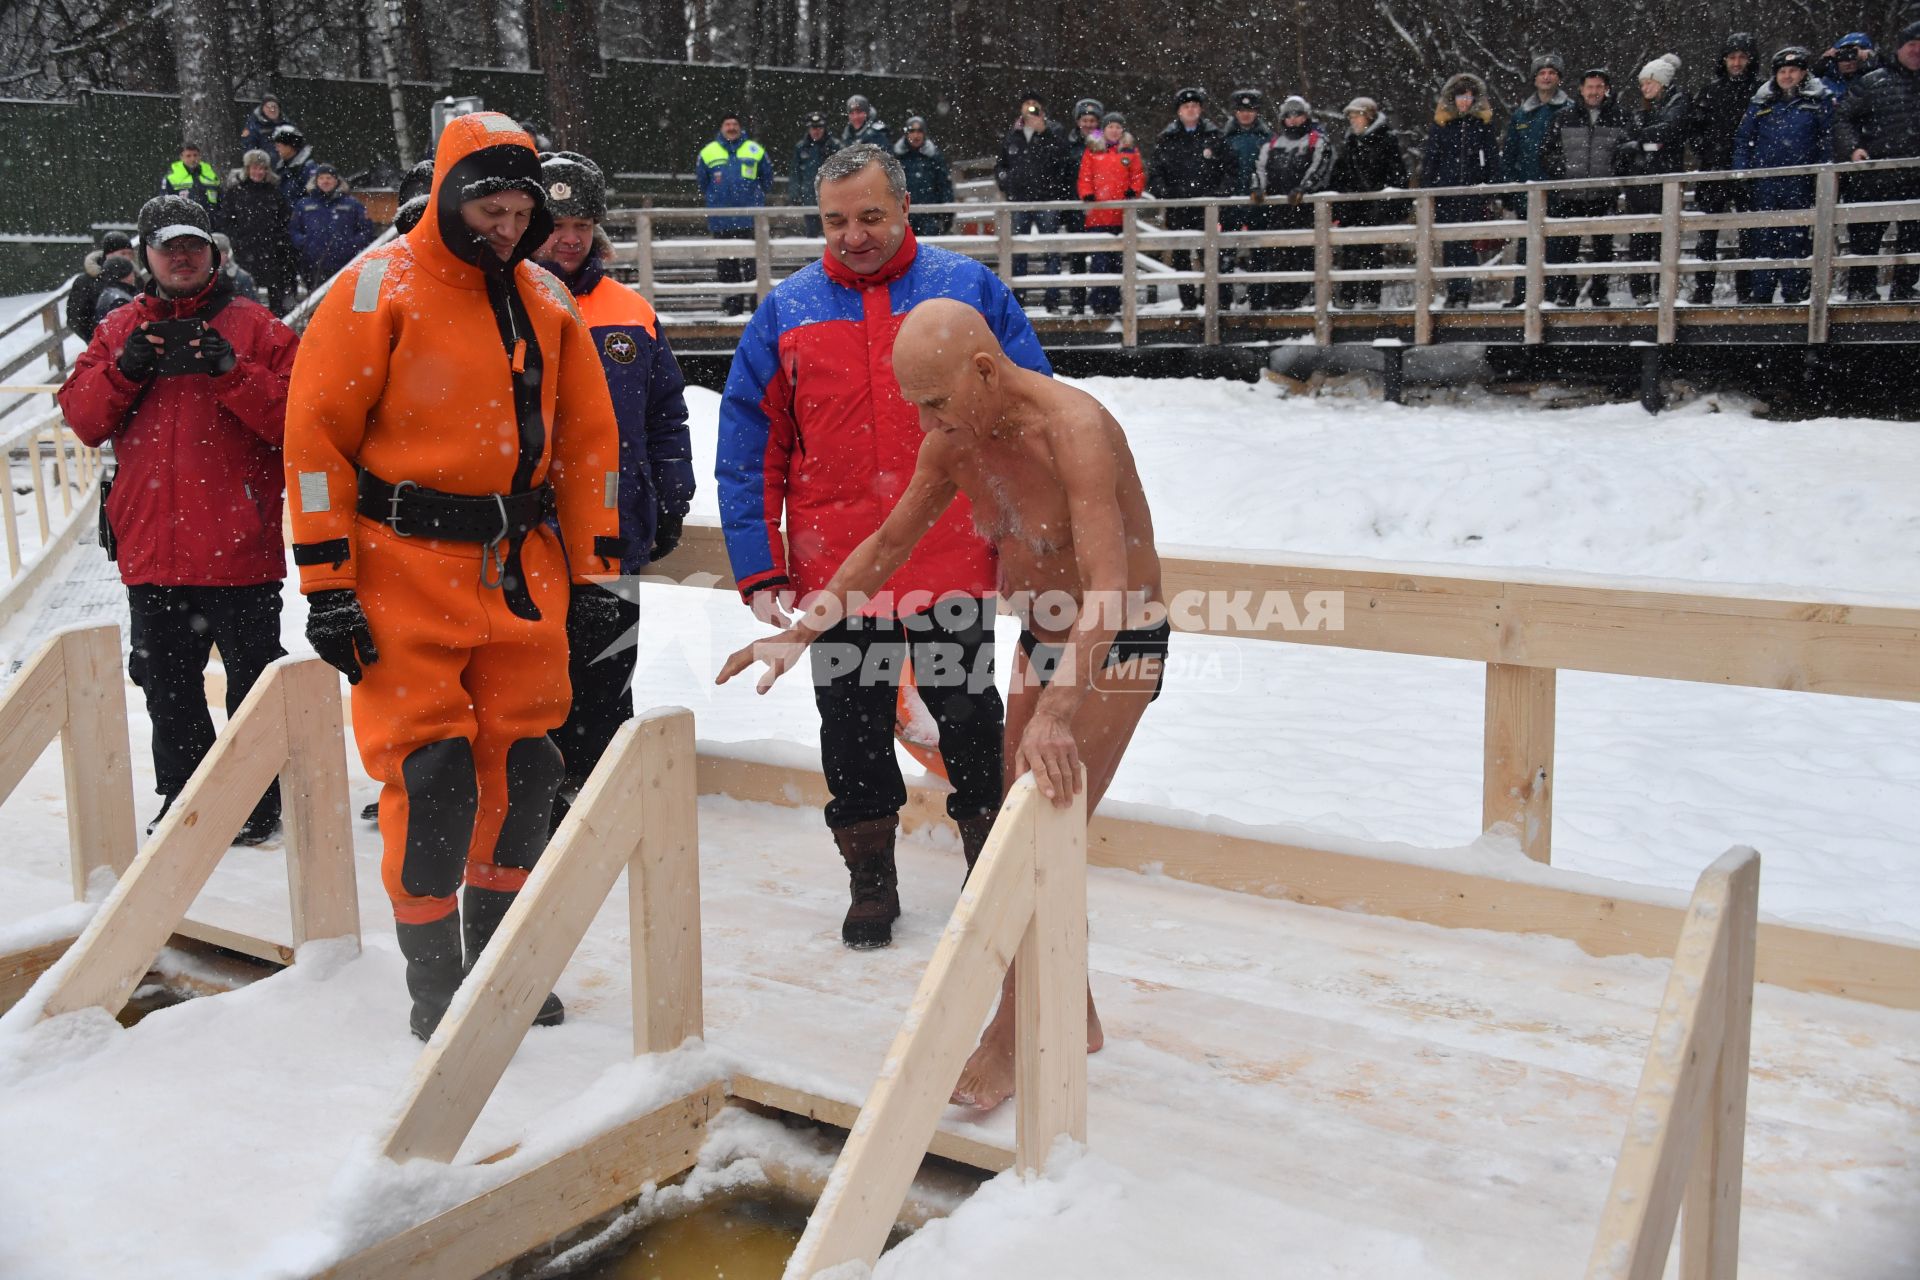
x=1127, y=646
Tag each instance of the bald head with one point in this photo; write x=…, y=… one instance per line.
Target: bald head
x=950, y=366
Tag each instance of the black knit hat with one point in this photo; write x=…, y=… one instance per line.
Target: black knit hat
x=114, y=241
x=1741, y=42
x=576, y=187
x=114, y=269
x=1909, y=32
x=168, y=217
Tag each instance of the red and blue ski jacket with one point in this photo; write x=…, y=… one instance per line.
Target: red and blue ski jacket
x=814, y=430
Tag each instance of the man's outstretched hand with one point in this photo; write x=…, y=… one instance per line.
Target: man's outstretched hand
x=1047, y=751
x=780, y=653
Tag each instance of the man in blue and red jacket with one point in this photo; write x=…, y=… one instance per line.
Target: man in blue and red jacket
x=189, y=382
x=656, y=460
x=816, y=446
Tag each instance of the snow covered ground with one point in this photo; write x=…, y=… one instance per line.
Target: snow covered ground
x=1287, y=1091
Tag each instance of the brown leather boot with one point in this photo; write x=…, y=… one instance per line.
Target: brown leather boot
x=973, y=838
x=867, y=848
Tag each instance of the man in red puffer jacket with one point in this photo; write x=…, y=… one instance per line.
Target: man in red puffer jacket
x=1110, y=169
x=189, y=382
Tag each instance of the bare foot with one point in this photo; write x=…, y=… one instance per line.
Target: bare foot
x=987, y=1079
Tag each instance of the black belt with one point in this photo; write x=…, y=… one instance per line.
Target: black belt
x=494, y=520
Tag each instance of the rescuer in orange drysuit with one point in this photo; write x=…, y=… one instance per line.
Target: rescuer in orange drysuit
x=447, y=399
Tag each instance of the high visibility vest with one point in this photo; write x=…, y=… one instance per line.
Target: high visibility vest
x=182, y=180
x=751, y=156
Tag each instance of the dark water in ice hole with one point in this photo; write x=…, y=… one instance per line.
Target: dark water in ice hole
x=731, y=1238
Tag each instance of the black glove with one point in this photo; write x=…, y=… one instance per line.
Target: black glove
x=338, y=631
x=1088, y=199
x=138, y=357
x=666, y=534
x=216, y=353
x=592, y=614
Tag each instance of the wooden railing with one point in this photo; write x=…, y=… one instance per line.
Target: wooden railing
x=653, y=240
x=1687, y=1128
x=290, y=725
x=638, y=813
x=33, y=435
x=1025, y=904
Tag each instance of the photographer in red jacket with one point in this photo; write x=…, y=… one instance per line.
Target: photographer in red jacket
x=190, y=384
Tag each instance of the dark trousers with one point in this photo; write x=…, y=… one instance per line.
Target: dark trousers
x=1643, y=246
x=735, y=271
x=1046, y=222
x=1566, y=289
x=1248, y=218
x=1074, y=222
x=1459, y=253
x=1358, y=257
x=600, y=668
x=1106, y=297
x=1782, y=242
x=1724, y=197
x=1186, y=218
x=1290, y=217
x=1517, y=203
x=856, y=680
x=1866, y=237
x=174, y=631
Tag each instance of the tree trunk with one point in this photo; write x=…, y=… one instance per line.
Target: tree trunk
x=381, y=11
x=568, y=35
x=206, y=92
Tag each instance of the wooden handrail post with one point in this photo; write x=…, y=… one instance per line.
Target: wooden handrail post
x=12, y=516
x=1323, y=273
x=1210, y=277
x=62, y=473
x=1535, y=327
x=1422, y=270
x=39, y=488
x=1050, y=991
x=1130, y=277
x=318, y=817
x=663, y=890
x=1826, y=194
x=97, y=757
x=1710, y=1214
x=1003, y=236
x=762, y=257
x=1672, y=199
x=643, y=247
x=1686, y=1130
x=1517, y=772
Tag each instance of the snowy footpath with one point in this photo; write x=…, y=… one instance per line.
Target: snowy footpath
x=1286, y=1091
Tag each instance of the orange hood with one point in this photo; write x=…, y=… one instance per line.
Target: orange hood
x=479, y=154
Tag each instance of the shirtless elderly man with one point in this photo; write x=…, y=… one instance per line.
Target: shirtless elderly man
x=1054, y=488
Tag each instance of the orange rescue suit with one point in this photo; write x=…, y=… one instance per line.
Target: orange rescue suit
x=408, y=372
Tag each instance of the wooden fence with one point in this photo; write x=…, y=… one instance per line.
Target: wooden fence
x=659, y=242
x=290, y=725
x=58, y=469
x=1686, y=1131
x=1523, y=632
x=1028, y=892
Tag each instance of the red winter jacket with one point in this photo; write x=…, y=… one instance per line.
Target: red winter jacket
x=196, y=498
x=1111, y=173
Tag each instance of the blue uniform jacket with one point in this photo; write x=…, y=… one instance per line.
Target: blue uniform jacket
x=734, y=175
x=1778, y=131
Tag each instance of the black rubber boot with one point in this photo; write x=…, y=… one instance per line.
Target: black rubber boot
x=867, y=848
x=482, y=910
x=973, y=838
x=433, y=969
